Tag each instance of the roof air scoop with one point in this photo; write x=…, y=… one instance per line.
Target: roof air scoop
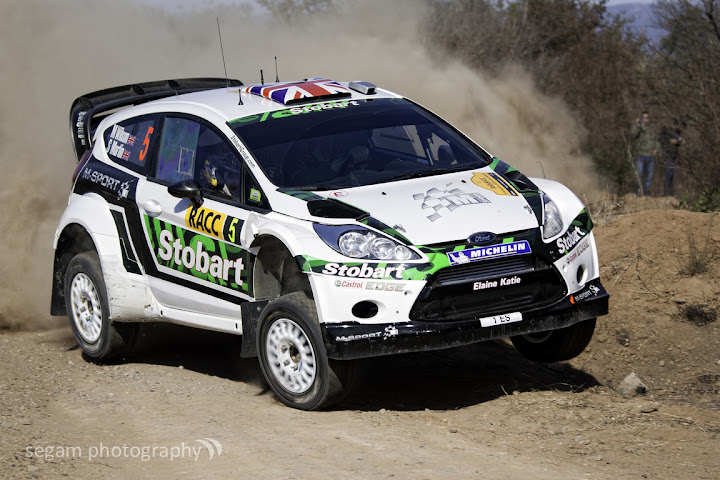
x=366, y=88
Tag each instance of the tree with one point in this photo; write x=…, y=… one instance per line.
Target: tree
x=574, y=50
x=687, y=72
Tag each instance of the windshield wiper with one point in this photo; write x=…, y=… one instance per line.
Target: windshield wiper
x=425, y=173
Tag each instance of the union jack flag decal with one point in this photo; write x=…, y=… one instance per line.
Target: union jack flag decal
x=287, y=93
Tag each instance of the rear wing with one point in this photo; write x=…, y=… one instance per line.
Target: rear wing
x=88, y=110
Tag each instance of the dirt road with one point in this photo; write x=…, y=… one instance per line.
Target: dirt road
x=476, y=412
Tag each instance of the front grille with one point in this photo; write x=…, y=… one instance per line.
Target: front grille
x=483, y=270
x=450, y=295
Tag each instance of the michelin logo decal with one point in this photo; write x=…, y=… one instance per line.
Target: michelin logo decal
x=489, y=252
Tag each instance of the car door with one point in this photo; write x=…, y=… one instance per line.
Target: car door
x=196, y=261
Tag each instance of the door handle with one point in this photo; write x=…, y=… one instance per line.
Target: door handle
x=152, y=208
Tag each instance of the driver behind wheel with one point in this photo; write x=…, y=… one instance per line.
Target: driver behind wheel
x=213, y=179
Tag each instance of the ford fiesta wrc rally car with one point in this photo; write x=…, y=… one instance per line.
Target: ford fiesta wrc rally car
x=321, y=221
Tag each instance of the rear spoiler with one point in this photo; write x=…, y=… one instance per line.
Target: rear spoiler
x=88, y=110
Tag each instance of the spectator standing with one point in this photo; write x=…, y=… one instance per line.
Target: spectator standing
x=645, y=147
x=670, y=140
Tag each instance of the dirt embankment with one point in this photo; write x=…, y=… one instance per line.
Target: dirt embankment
x=476, y=412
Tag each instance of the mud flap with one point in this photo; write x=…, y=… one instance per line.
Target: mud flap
x=250, y=314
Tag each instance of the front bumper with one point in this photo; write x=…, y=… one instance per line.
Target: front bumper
x=351, y=340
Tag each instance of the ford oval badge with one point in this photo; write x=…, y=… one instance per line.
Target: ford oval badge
x=481, y=238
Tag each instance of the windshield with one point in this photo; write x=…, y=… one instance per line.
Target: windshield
x=352, y=143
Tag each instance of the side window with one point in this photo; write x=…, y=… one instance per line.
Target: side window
x=129, y=143
x=178, y=147
x=253, y=195
x=191, y=150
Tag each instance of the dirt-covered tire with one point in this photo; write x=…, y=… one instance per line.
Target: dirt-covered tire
x=88, y=310
x=293, y=358
x=556, y=345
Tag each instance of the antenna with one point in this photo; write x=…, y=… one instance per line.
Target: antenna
x=262, y=79
x=222, y=52
x=277, y=79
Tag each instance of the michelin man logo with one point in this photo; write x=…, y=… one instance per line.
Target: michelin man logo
x=462, y=258
x=436, y=202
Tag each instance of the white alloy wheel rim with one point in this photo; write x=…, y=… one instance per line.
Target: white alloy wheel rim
x=291, y=356
x=539, y=337
x=86, y=308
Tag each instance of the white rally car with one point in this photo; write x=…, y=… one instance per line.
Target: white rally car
x=322, y=221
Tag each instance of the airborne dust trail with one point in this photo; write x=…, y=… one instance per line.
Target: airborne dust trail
x=52, y=52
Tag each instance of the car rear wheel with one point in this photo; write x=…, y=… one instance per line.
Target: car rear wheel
x=293, y=358
x=89, y=313
x=556, y=345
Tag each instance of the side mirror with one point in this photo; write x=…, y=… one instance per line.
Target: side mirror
x=187, y=189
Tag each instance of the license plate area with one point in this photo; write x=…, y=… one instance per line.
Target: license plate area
x=501, y=319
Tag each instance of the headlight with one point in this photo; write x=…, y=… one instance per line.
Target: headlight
x=358, y=242
x=552, y=221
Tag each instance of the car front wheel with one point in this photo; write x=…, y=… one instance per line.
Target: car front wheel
x=292, y=355
x=556, y=345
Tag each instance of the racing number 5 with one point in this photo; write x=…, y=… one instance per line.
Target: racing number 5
x=231, y=230
x=146, y=143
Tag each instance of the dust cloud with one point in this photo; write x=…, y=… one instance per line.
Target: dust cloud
x=52, y=52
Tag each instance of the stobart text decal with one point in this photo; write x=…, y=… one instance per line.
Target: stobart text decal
x=569, y=240
x=200, y=256
x=296, y=111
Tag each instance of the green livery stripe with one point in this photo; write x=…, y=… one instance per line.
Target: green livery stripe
x=583, y=221
x=500, y=167
x=291, y=112
x=438, y=258
x=378, y=225
x=301, y=194
x=367, y=220
x=413, y=271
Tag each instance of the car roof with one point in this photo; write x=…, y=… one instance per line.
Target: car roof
x=233, y=102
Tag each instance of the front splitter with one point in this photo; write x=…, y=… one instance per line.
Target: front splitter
x=352, y=340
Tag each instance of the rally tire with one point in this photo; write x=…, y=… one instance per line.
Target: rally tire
x=556, y=345
x=293, y=358
x=88, y=311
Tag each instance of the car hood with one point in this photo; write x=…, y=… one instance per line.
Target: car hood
x=444, y=208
